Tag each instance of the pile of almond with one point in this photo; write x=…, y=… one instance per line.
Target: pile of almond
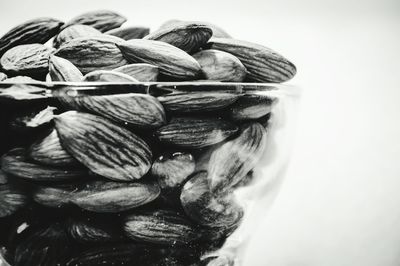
x=132, y=170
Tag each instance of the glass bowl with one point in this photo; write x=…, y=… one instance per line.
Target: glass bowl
x=158, y=173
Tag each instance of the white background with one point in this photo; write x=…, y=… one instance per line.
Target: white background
x=340, y=203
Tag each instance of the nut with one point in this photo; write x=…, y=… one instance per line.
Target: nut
x=104, y=147
x=262, y=63
x=171, y=61
x=193, y=132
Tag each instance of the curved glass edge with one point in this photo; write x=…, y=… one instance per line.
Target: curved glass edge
x=260, y=195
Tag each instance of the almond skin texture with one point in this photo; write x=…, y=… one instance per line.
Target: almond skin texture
x=161, y=227
x=129, y=33
x=195, y=102
x=16, y=163
x=140, y=110
x=103, y=20
x=233, y=160
x=171, y=170
x=205, y=208
x=251, y=107
x=61, y=69
x=48, y=151
x=217, y=31
x=188, y=36
x=11, y=200
x=28, y=59
x=112, y=197
x=142, y=72
x=93, y=53
x=38, y=30
x=103, y=146
x=193, y=132
x=262, y=63
x=108, y=76
x=73, y=32
x=171, y=61
x=220, y=66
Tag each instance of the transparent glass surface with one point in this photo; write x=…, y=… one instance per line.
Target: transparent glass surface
x=218, y=156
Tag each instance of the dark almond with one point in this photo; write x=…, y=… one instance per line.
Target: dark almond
x=262, y=63
x=103, y=20
x=220, y=66
x=61, y=69
x=217, y=31
x=142, y=72
x=171, y=61
x=28, y=59
x=129, y=33
x=204, y=101
x=11, y=199
x=161, y=227
x=251, y=107
x=141, y=110
x=190, y=132
x=15, y=163
x=53, y=197
x=103, y=146
x=38, y=30
x=172, y=169
x=46, y=246
x=112, y=197
x=92, y=53
x=188, y=36
x=73, y=32
x=89, y=231
x=48, y=151
x=205, y=208
x=231, y=162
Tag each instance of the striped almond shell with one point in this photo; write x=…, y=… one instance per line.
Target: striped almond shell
x=15, y=163
x=188, y=36
x=93, y=53
x=220, y=66
x=205, y=208
x=142, y=72
x=113, y=197
x=161, y=227
x=73, y=32
x=262, y=63
x=170, y=60
x=140, y=110
x=203, y=101
x=128, y=33
x=251, y=106
x=38, y=30
x=61, y=69
x=27, y=59
x=52, y=196
x=106, y=148
x=217, y=31
x=103, y=20
x=230, y=163
x=172, y=169
x=48, y=151
x=191, y=132
x=89, y=231
x=11, y=200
